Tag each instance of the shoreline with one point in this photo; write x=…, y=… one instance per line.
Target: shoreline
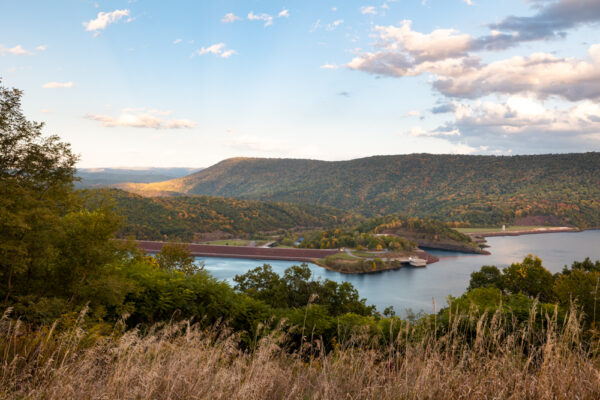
x=430, y=259
x=537, y=231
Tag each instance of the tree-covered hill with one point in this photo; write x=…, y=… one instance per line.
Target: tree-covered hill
x=392, y=232
x=479, y=190
x=187, y=218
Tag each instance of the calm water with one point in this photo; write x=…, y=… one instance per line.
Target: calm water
x=415, y=289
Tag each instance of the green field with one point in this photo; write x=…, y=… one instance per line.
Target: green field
x=364, y=254
x=342, y=256
x=499, y=229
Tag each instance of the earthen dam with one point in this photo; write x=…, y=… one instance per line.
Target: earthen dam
x=257, y=253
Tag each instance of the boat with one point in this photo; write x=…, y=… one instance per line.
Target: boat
x=417, y=262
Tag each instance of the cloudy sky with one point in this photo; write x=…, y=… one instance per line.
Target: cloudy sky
x=189, y=83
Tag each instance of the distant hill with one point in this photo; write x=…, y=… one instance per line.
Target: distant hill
x=104, y=177
x=478, y=190
x=200, y=217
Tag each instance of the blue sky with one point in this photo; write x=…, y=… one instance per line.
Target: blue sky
x=189, y=83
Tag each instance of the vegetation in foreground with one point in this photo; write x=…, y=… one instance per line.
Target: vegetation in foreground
x=182, y=360
x=86, y=316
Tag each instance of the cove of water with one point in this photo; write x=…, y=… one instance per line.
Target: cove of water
x=418, y=288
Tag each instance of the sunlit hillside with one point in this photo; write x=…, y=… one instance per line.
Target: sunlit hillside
x=472, y=189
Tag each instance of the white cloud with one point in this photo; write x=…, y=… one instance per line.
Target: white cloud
x=284, y=13
x=41, y=48
x=141, y=118
x=177, y=41
x=526, y=116
x=214, y=49
x=180, y=124
x=523, y=123
x=329, y=66
x=230, y=18
x=412, y=113
x=368, y=10
x=399, y=64
x=228, y=53
x=437, y=45
x=332, y=26
x=17, y=50
x=103, y=19
x=469, y=2
x=268, y=19
x=419, y=131
x=217, y=49
x=445, y=53
x=316, y=25
x=540, y=74
x=58, y=85
x=409, y=53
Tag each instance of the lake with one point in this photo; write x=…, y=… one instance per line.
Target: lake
x=418, y=288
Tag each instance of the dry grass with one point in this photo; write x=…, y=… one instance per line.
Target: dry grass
x=182, y=361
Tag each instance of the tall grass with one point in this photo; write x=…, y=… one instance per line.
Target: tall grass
x=494, y=358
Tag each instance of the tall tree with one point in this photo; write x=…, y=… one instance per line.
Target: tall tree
x=36, y=181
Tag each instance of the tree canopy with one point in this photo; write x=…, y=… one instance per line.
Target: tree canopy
x=36, y=178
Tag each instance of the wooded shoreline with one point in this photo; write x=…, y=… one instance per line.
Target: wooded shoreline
x=526, y=232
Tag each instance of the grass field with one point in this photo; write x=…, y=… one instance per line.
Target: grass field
x=366, y=254
x=499, y=229
x=342, y=256
x=190, y=361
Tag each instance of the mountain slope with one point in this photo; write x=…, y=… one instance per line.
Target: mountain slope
x=475, y=189
x=188, y=218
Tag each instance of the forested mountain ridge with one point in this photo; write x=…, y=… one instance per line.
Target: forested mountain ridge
x=477, y=190
x=187, y=218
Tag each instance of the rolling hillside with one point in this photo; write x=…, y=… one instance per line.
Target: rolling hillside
x=476, y=190
x=200, y=217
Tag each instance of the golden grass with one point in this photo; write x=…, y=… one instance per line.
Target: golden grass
x=183, y=361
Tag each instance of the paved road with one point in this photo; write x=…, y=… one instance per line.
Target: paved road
x=349, y=252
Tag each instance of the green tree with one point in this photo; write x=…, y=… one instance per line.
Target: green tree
x=487, y=276
x=263, y=284
x=36, y=180
x=296, y=289
x=177, y=256
x=57, y=252
x=581, y=284
x=530, y=278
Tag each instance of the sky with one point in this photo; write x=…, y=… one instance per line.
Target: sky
x=140, y=83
